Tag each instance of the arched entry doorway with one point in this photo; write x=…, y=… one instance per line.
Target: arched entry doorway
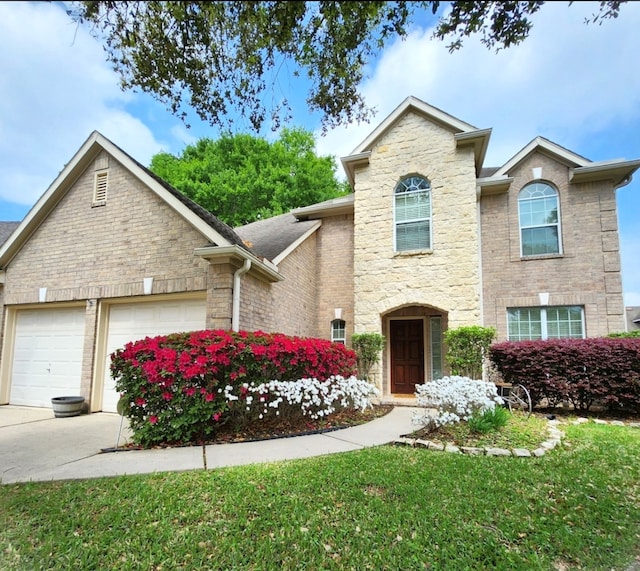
x=414, y=351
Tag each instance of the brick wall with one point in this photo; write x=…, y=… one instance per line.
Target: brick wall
x=335, y=274
x=588, y=271
x=85, y=252
x=288, y=306
x=82, y=252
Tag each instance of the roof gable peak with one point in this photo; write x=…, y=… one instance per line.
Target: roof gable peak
x=413, y=105
x=212, y=229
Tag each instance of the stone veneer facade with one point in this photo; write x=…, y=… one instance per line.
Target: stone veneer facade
x=445, y=278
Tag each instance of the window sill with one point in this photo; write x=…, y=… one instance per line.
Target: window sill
x=541, y=257
x=410, y=253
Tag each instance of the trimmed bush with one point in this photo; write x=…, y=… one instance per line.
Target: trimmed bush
x=467, y=348
x=367, y=347
x=581, y=371
x=178, y=387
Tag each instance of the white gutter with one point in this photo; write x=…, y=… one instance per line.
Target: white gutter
x=235, y=317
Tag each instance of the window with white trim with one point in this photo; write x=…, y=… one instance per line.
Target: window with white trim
x=539, y=218
x=339, y=331
x=412, y=214
x=100, y=186
x=531, y=323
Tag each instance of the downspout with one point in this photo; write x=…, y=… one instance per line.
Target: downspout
x=235, y=317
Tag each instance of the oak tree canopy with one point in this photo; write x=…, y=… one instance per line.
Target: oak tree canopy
x=226, y=58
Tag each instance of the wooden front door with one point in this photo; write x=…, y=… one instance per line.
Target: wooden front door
x=407, y=355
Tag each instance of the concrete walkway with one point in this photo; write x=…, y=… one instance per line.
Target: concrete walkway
x=36, y=446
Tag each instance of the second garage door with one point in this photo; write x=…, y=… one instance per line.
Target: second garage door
x=133, y=321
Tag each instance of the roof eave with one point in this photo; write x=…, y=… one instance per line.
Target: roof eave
x=336, y=208
x=262, y=268
x=493, y=185
x=94, y=144
x=418, y=106
x=479, y=139
x=198, y=223
x=351, y=162
x=292, y=247
x=619, y=172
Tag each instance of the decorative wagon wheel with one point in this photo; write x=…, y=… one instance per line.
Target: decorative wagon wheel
x=519, y=399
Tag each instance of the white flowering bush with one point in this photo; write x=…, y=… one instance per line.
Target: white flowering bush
x=307, y=397
x=453, y=399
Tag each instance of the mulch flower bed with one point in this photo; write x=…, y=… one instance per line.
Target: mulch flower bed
x=278, y=427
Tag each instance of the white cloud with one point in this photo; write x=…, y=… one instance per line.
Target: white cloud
x=630, y=248
x=567, y=82
x=55, y=89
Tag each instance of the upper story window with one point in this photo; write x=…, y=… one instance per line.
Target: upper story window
x=339, y=331
x=412, y=214
x=539, y=217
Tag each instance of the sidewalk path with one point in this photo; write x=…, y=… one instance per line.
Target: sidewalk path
x=35, y=446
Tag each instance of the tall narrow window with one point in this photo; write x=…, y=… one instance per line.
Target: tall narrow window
x=339, y=331
x=100, y=186
x=539, y=220
x=435, y=326
x=412, y=214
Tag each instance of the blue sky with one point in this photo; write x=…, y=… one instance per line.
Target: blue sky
x=575, y=84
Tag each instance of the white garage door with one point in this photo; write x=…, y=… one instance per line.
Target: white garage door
x=134, y=321
x=47, y=356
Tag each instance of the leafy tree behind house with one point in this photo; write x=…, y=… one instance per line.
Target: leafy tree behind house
x=242, y=178
x=223, y=58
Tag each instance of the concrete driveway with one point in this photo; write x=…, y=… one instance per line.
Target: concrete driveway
x=36, y=446
x=33, y=442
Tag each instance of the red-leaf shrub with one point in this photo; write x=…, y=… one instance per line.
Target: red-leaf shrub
x=174, y=385
x=582, y=371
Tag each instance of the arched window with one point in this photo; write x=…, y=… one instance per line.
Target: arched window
x=412, y=214
x=538, y=213
x=339, y=331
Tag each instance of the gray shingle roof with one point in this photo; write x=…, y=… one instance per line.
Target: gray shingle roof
x=6, y=228
x=486, y=172
x=270, y=237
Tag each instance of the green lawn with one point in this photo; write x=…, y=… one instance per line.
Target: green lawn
x=393, y=508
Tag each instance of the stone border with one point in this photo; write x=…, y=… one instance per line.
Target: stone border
x=554, y=439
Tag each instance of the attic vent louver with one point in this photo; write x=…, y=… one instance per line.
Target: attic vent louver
x=100, y=188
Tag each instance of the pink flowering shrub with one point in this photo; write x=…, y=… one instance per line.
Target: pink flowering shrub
x=176, y=387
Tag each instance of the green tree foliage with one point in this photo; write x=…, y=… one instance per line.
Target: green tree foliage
x=223, y=58
x=467, y=348
x=242, y=178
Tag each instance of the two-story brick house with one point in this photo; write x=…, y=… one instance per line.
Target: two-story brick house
x=429, y=239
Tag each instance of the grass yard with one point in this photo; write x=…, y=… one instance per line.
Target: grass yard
x=393, y=508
